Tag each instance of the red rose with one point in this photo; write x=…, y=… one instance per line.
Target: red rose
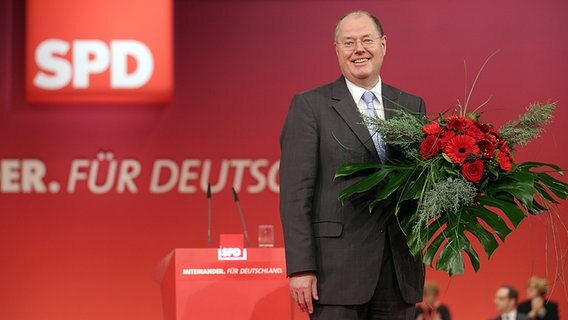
x=432, y=128
x=429, y=147
x=474, y=132
x=473, y=171
x=504, y=161
x=487, y=148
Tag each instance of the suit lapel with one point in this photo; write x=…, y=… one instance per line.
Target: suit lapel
x=390, y=103
x=343, y=103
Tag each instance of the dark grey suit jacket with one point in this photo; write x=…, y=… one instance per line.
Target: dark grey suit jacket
x=520, y=316
x=343, y=244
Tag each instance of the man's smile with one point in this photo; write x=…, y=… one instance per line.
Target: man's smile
x=360, y=61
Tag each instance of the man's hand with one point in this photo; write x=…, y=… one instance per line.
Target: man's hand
x=303, y=287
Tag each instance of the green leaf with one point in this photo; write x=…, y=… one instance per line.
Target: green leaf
x=446, y=237
x=396, y=181
x=540, y=189
x=450, y=259
x=492, y=170
x=414, y=188
x=350, y=169
x=492, y=219
x=485, y=237
x=510, y=209
x=364, y=185
x=537, y=208
x=473, y=256
x=451, y=171
x=530, y=165
x=432, y=248
x=447, y=158
x=518, y=184
x=417, y=241
x=559, y=188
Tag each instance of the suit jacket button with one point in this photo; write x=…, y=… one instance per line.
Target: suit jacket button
x=381, y=230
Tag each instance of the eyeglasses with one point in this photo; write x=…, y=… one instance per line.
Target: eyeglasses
x=352, y=44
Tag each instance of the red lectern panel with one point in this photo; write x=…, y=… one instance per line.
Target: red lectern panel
x=219, y=284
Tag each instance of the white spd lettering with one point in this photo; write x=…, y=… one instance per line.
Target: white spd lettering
x=231, y=254
x=91, y=57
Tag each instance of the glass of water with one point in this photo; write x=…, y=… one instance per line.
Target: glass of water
x=266, y=236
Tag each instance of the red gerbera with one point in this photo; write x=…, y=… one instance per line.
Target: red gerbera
x=459, y=147
x=432, y=128
x=458, y=123
x=429, y=147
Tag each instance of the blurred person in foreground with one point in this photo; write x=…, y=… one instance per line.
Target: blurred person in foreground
x=506, y=299
x=537, y=306
x=431, y=308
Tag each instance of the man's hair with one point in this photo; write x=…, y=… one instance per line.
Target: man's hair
x=540, y=284
x=360, y=12
x=512, y=292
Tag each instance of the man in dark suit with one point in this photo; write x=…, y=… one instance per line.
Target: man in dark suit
x=506, y=299
x=343, y=262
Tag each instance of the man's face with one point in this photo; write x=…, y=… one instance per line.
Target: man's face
x=360, y=64
x=502, y=302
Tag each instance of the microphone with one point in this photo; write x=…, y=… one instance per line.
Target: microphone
x=243, y=224
x=208, y=215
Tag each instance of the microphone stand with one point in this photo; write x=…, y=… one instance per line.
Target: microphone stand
x=243, y=224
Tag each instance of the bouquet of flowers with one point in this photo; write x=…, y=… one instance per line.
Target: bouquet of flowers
x=461, y=173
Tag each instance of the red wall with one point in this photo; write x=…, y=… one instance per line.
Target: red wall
x=237, y=64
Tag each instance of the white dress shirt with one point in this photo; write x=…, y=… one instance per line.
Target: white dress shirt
x=357, y=94
x=510, y=315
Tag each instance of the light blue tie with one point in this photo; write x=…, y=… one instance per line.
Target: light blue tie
x=370, y=111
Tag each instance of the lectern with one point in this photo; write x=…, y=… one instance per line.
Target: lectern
x=226, y=284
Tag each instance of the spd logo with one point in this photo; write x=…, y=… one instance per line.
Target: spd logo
x=99, y=51
x=231, y=254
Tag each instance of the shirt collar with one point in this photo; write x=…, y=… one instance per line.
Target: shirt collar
x=357, y=92
x=511, y=315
